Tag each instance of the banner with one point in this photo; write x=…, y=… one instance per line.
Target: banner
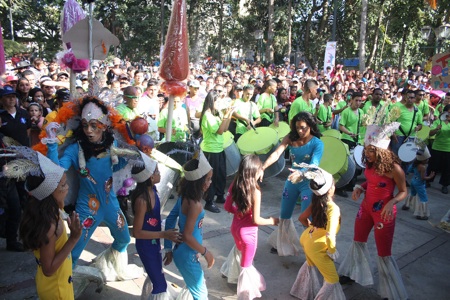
x=440, y=79
x=330, y=56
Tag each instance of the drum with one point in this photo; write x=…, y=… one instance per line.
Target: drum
x=357, y=156
x=407, y=152
x=282, y=129
x=181, y=152
x=233, y=156
x=337, y=161
x=170, y=172
x=424, y=133
x=333, y=133
x=262, y=142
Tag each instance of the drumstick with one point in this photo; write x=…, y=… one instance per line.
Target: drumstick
x=253, y=126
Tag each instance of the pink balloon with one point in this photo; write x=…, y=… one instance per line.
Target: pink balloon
x=436, y=70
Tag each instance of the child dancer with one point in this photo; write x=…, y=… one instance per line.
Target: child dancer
x=244, y=202
x=319, y=239
x=189, y=209
x=418, y=185
x=42, y=229
x=147, y=225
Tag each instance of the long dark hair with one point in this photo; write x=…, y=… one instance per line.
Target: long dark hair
x=279, y=100
x=245, y=183
x=319, y=205
x=209, y=104
x=38, y=217
x=89, y=148
x=191, y=190
x=309, y=119
x=141, y=190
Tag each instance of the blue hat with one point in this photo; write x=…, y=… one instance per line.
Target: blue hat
x=7, y=90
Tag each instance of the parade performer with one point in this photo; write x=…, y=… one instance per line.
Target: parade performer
x=378, y=210
x=304, y=146
x=304, y=102
x=247, y=113
x=42, y=229
x=147, y=225
x=189, y=210
x=244, y=202
x=95, y=157
x=267, y=104
x=212, y=128
x=319, y=239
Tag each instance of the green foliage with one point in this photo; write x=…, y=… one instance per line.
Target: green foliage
x=13, y=47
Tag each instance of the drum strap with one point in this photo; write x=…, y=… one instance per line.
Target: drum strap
x=357, y=128
x=410, y=128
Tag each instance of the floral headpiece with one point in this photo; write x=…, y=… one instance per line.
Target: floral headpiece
x=380, y=125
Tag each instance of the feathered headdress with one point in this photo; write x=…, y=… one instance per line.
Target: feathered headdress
x=380, y=125
x=31, y=163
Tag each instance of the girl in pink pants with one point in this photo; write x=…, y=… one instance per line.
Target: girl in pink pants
x=244, y=201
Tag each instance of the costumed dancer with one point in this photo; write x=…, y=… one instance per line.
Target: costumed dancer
x=319, y=239
x=244, y=202
x=95, y=157
x=418, y=185
x=42, y=229
x=377, y=210
x=212, y=128
x=147, y=226
x=305, y=146
x=189, y=210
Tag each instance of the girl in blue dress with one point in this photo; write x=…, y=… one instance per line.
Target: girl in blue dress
x=305, y=147
x=147, y=226
x=189, y=210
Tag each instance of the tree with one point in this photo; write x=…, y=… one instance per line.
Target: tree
x=362, y=37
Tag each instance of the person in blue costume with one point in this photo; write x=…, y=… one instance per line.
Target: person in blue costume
x=147, y=226
x=92, y=156
x=305, y=147
x=189, y=210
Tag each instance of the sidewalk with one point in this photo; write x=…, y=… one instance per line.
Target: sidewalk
x=422, y=253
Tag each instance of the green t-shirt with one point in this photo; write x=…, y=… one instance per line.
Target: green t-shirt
x=352, y=121
x=442, y=138
x=127, y=113
x=265, y=101
x=300, y=105
x=437, y=112
x=212, y=142
x=248, y=110
x=324, y=115
x=406, y=119
x=179, y=123
x=423, y=107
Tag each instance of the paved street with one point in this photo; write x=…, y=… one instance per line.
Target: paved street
x=422, y=252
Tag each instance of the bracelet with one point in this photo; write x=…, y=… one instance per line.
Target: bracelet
x=204, y=253
x=357, y=186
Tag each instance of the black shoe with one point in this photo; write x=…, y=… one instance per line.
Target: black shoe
x=404, y=207
x=15, y=247
x=212, y=208
x=444, y=190
x=341, y=193
x=273, y=250
x=220, y=199
x=345, y=280
x=424, y=218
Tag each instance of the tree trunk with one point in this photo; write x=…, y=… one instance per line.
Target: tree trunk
x=307, y=34
x=269, y=44
x=402, y=50
x=220, y=30
x=377, y=34
x=289, y=19
x=362, y=37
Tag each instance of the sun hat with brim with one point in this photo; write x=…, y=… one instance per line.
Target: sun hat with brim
x=7, y=90
x=22, y=65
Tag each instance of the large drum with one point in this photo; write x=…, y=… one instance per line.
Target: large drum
x=170, y=172
x=424, y=133
x=357, y=156
x=333, y=133
x=262, y=142
x=232, y=153
x=181, y=152
x=282, y=129
x=337, y=161
x=407, y=152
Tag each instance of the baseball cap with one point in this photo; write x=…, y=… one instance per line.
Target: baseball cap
x=194, y=83
x=238, y=87
x=7, y=90
x=44, y=78
x=11, y=78
x=63, y=74
x=63, y=94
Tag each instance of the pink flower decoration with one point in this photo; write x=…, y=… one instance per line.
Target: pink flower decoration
x=153, y=222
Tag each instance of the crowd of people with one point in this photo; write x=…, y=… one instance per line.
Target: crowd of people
x=380, y=111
